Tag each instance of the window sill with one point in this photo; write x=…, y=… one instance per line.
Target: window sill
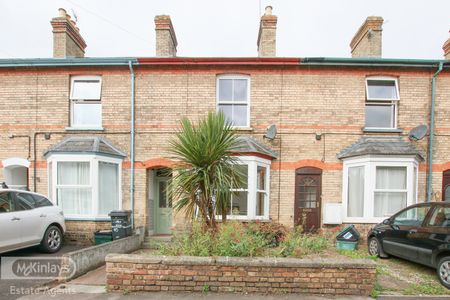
x=244, y=219
x=84, y=128
x=242, y=128
x=91, y=219
x=382, y=130
x=349, y=220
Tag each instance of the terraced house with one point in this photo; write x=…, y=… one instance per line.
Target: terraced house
x=323, y=141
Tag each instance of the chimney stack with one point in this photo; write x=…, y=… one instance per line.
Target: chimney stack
x=166, y=40
x=446, y=48
x=267, y=36
x=67, y=40
x=367, y=40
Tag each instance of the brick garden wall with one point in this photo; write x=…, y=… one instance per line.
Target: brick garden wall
x=231, y=274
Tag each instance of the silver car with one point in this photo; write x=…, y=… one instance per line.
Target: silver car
x=29, y=219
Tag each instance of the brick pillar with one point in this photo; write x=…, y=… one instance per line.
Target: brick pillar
x=267, y=36
x=368, y=39
x=446, y=49
x=166, y=40
x=67, y=40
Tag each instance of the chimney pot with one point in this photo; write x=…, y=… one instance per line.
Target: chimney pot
x=67, y=41
x=166, y=40
x=368, y=39
x=62, y=13
x=267, y=36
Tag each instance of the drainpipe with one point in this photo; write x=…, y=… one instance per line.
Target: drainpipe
x=132, y=145
x=430, y=144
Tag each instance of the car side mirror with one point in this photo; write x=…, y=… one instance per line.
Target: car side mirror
x=387, y=222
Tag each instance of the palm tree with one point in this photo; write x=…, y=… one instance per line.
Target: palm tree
x=206, y=171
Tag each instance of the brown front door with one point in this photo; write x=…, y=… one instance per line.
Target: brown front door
x=446, y=186
x=308, y=183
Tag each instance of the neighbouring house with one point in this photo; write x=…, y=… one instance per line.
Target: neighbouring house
x=92, y=133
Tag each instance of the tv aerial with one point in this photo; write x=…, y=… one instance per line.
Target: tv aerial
x=271, y=132
x=74, y=14
x=418, y=132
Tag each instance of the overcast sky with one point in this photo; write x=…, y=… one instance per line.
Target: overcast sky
x=412, y=28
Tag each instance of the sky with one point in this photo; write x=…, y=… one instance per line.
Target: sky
x=227, y=28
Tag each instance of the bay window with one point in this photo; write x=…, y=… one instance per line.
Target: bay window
x=74, y=188
x=390, y=190
x=376, y=187
x=85, y=186
x=251, y=200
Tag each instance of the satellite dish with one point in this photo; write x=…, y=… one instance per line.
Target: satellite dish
x=271, y=132
x=418, y=133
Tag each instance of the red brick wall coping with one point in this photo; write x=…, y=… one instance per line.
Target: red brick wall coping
x=234, y=274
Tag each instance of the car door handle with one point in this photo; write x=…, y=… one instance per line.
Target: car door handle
x=412, y=231
x=43, y=215
x=15, y=219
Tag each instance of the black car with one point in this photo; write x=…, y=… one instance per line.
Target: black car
x=419, y=233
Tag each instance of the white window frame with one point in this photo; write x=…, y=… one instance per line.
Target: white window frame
x=252, y=163
x=87, y=101
x=93, y=160
x=393, y=102
x=235, y=76
x=370, y=164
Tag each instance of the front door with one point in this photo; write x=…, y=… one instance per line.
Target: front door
x=446, y=186
x=308, y=182
x=163, y=207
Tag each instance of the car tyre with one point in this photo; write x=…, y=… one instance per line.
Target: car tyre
x=443, y=271
x=375, y=248
x=52, y=240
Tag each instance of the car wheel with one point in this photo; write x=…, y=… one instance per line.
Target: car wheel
x=374, y=248
x=52, y=240
x=443, y=271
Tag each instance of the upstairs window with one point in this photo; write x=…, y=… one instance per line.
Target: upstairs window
x=233, y=99
x=381, y=103
x=85, y=99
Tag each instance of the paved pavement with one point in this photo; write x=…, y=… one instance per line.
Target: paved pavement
x=9, y=288
x=185, y=296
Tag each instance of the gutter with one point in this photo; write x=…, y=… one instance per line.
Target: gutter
x=430, y=143
x=65, y=62
x=130, y=64
x=370, y=62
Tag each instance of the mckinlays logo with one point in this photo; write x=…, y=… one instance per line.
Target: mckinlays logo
x=37, y=268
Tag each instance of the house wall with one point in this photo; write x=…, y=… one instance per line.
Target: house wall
x=300, y=100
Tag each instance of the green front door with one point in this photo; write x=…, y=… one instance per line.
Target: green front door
x=163, y=207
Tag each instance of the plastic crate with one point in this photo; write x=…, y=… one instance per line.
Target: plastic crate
x=102, y=237
x=343, y=245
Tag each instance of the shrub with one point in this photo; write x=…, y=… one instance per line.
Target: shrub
x=273, y=233
x=299, y=244
x=231, y=239
x=234, y=239
x=194, y=243
x=244, y=240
